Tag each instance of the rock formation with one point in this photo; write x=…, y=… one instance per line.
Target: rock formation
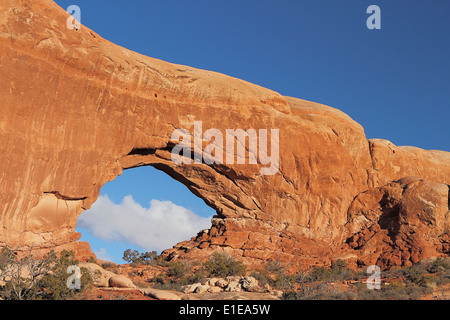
x=77, y=110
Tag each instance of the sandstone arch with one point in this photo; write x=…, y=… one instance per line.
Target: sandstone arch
x=78, y=109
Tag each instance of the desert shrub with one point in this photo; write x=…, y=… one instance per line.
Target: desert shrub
x=442, y=279
x=108, y=265
x=134, y=257
x=131, y=256
x=325, y=291
x=149, y=258
x=161, y=281
x=40, y=279
x=177, y=269
x=338, y=271
x=54, y=285
x=319, y=274
x=199, y=275
x=223, y=265
x=413, y=285
x=195, y=278
x=414, y=275
x=7, y=257
x=261, y=277
x=439, y=265
x=265, y=274
x=396, y=290
x=92, y=260
x=284, y=281
x=272, y=266
x=318, y=291
x=338, y=265
x=22, y=276
x=274, y=274
x=289, y=295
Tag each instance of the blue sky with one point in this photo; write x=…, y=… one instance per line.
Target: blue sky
x=395, y=81
x=160, y=213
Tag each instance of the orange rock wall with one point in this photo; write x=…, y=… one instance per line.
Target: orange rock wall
x=76, y=110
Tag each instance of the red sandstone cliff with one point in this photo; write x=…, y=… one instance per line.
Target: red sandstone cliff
x=76, y=110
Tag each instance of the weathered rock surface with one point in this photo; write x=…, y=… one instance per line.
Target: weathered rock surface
x=229, y=284
x=400, y=223
x=99, y=275
x=77, y=110
x=106, y=279
x=120, y=281
x=161, y=294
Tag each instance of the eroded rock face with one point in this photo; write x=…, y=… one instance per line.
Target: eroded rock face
x=77, y=110
x=400, y=223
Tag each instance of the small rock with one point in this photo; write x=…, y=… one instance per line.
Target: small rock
x=277, y=293
x=191, y=288
x=212, y=282
x=233, y=286
x=214, y=289
x=233, y=278
x=202, y=288
x=222, y=283
x=249, y=283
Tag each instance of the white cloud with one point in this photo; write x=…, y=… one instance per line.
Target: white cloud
x=159, y=227
x=102, y=254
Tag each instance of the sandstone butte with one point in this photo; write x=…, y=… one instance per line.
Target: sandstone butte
x=77, y=110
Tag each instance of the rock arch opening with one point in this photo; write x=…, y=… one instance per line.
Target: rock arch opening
x=143, y=209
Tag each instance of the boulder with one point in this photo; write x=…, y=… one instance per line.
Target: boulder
x=202, y=288
x=120, y=281
x=212, y=281
x=222, y=283
x=233, y=286
x=249, y=284
x=99, y=275
x=214, y=289
x=191, y=288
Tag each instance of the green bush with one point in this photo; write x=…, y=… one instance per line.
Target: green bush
x=197, y=277
x=394, y=291
x=261, y=277
x=439, y=265
x=338, y=271
x=47, y=281
x=223, y=265
x=320, y=274
x=414, y=275
x=274, y=275
x=54, y=284
x=92, y=260
x=161, y=281
x=130, y=256
x=108, y=265
x=134, y=257
x=177, y=269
